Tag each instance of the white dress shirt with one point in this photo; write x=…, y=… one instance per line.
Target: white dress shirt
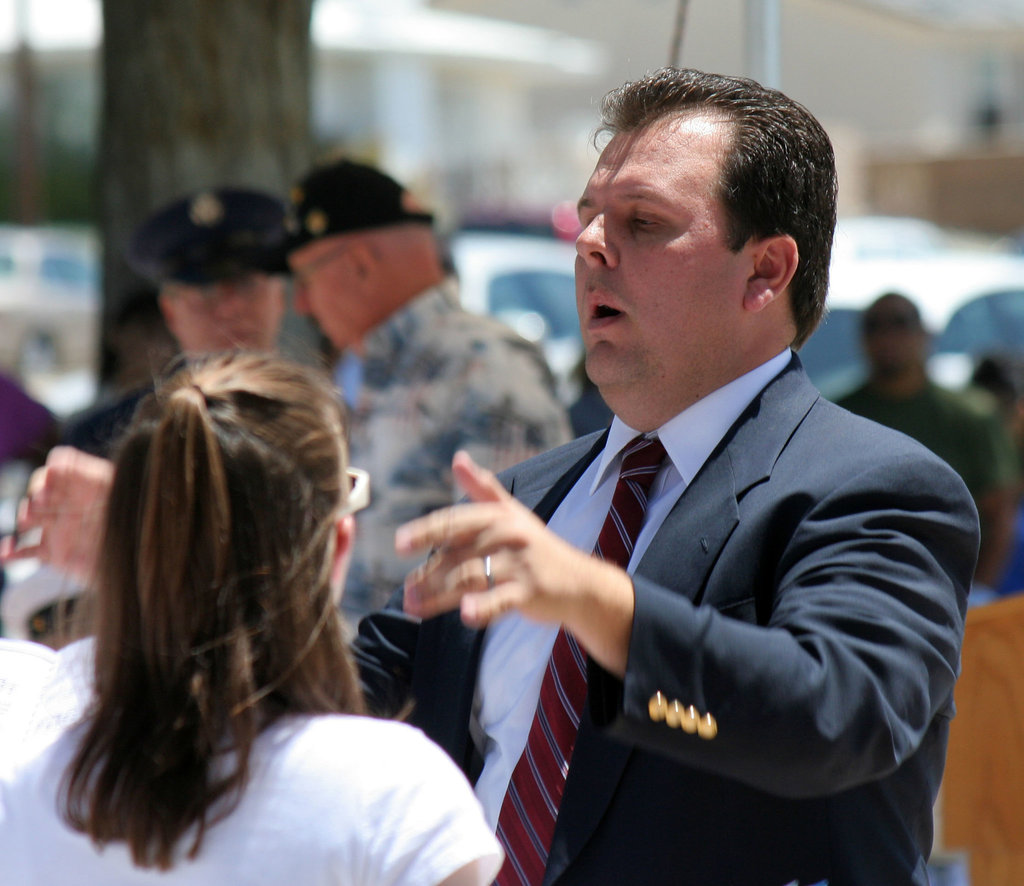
x=515, y=650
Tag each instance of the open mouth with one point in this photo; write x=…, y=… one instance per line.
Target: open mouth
x=602, y=311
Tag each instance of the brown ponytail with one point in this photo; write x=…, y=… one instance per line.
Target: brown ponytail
x=214, y=610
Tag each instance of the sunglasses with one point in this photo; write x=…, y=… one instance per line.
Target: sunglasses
x=358, y=493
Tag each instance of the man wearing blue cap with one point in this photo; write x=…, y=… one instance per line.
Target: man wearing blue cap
x=422, y=377
x=217, y=260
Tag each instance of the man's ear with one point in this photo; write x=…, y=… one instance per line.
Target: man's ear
x=774, y=261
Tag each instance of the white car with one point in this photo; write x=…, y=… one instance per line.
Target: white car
x=971, y=297
x=49, y=300
x=527, y=282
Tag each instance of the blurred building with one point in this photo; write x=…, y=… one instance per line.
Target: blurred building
x=448, y=100
x=486, y=105
x=924, y=99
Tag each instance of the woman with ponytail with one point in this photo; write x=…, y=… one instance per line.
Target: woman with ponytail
x=225, y=742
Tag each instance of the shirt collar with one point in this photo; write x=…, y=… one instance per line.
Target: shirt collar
x=691, y=436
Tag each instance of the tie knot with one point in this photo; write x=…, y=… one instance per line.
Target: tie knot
x=641, y=460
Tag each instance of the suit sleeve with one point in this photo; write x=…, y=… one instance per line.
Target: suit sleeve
x=846, y=654
x=384, y=649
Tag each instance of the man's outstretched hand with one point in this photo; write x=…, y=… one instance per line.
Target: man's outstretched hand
x=532, y=570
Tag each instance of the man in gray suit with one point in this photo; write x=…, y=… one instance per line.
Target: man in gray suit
x=768, y=675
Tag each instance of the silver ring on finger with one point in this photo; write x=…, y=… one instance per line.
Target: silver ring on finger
x=487, y=572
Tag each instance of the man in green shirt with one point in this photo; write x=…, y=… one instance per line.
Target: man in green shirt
x=961, y=427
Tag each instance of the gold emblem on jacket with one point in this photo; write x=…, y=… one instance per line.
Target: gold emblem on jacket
x=676, y=715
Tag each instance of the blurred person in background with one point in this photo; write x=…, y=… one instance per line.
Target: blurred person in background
x=1002, y=376
x=27, y=427
x=138, y=349
x=221, y=738
x=422, y=377
x=958, y=426
x=27, y=430
x=217, y=260
x=139, y=345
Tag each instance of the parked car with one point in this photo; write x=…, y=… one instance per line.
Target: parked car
x=527, y=282
x=970, y=294
x=49, y=300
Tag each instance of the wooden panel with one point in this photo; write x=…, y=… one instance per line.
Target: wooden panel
x=982, y=808
x=996, y=868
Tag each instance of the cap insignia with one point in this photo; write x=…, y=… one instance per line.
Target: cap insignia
x=316, y=222
x=206, y=210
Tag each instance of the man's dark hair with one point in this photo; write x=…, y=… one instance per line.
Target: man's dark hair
x=779, y=174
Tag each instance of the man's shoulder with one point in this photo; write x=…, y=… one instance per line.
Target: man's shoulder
x=838, y=446
x=464, y=330
x=438, y=336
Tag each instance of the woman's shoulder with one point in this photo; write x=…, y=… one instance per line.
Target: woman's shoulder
x=351, y=727
x=358, y=745
x=380, y=792
x=371, y=769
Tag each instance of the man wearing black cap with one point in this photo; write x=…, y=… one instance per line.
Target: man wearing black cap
x=217, y=258
x=422, y=378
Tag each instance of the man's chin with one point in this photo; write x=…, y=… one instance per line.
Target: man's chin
x=607, y=367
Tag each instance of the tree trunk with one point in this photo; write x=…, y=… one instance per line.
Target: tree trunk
x=197, y=93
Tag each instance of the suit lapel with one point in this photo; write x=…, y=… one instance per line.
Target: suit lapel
x=709, y=509
x=699, y=525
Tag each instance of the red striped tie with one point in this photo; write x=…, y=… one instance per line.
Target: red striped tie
x=526, y=822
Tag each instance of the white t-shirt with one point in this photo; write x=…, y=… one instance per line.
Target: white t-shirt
x=332, y=800
x=25, y=668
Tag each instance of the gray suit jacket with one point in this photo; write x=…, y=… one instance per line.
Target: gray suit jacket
x=808, y=592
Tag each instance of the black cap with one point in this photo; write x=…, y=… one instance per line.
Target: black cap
x=209, y=236
x=346, y=196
